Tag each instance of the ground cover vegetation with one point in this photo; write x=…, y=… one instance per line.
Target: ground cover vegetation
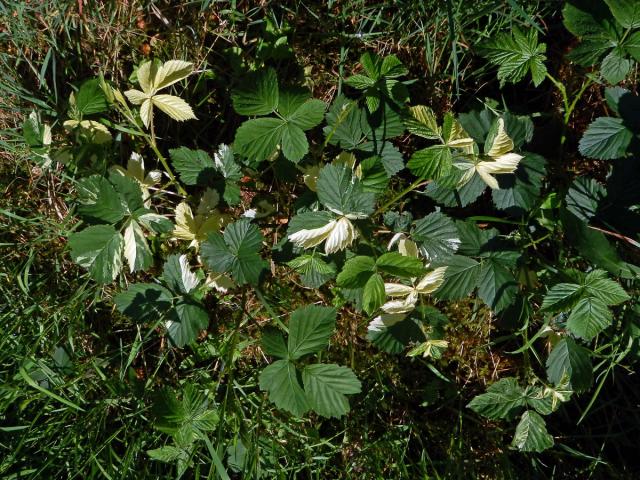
x=319, y=239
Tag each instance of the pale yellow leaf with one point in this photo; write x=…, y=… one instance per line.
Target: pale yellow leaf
x=173, y=106
x=146, y=112
x=146, y=74
x=171, y=72
x=136, y=97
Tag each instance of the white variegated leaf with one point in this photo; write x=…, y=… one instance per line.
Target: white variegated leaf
x=136, y=250
x=501, y=144
x=341, y=236
x=189, y=279
x=431, y=281
x=312, y=237
x=384, y=321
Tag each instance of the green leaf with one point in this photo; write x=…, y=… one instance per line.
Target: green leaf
x=356, y=272
x=460, y=278
x=390, y=156
x=431, y=163
x=584, y=197
x=346, y=123
x=235, y=252
x=308, y=115
x=392, y=67
x=361, y=82
x=258, y=94
x=90, y=99
x=280, y=380
x=519, y=128
x=444, y=194
x=520, y=192
x=632, y=45
x=129, y=192
x=606, y=138
x=615, y=66
x=590, y=51
x=569, y=358
x=626, y=12
x=373, y=295
x=399, y=265
x=372, y=64
x=99, y=249
x=310, y=328
x=313, y=270
x=153, y=222
x=291, y=99
x=496, y=285
x=392, y=333
x=225, y=163
x=383, y=124
x=477, y=242
x=604, y=289
x=273, y=343
x=340, y=191
x=168, y=454
x=437, y=237
x=375, y=177
x=516, y=54
x=562, y=297
x=501, y=400
x=588, y=17
x=144, y=302
x=589, y=317
x=99, y=202
x=186, y=321
x=326, y=385
x=531, y=433
x=294, y=142
x=258, y=139
x=422, y=122
x=195, y=167
x=595, y=247
x=188, y=419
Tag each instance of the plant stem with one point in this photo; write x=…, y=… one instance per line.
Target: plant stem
x=418, y=183
x=165, y=165
x=569, y=105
